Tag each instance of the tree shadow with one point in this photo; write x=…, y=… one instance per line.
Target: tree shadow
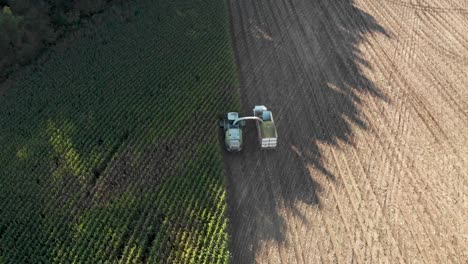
x=301, y=59
x=95, y=131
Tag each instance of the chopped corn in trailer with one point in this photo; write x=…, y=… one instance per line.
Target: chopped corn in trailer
x=267, y=134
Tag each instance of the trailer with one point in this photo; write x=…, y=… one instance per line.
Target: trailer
x=267, y=134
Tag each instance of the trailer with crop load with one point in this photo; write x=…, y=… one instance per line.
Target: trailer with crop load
x=267, y=134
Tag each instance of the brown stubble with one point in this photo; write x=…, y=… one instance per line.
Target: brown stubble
x=370, y=101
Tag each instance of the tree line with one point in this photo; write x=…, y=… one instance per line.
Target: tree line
x=28, y=26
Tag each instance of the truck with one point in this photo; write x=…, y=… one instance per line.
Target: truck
x=266, y=128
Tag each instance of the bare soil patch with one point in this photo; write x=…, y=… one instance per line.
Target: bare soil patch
x=370, y=100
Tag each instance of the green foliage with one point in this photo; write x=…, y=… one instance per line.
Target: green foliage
x=109, y=149
x=87, y=7
x=27, y=26
x=7, y=10
x=10, y=24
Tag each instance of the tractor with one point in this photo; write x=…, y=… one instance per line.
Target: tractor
x=232, y=126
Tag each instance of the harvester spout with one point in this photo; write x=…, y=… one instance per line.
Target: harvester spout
x=248, y=118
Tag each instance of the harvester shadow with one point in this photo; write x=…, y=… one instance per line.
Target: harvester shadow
x=308, y=71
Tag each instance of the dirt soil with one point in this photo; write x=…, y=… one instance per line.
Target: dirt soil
x=371, y=104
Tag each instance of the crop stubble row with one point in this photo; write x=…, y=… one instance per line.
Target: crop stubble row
x=388, y=178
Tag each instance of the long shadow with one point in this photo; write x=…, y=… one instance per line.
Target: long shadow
x=299, y=58
x=91, y=136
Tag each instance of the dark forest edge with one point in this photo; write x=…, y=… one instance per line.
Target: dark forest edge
x=27, y=27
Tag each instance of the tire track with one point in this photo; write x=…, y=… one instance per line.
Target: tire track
x=416, y=97
x=423, y=7
x=431, y=117
x=348, y=20
x=299, y=57
x=299, y=256
x=351, y=199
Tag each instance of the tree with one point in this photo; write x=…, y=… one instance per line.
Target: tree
x=87, y=7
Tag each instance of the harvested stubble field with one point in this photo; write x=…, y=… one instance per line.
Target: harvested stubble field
x=370, y=99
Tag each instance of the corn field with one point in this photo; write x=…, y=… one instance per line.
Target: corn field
x=109, y=142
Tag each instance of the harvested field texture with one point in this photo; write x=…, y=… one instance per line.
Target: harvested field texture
x=370, y=100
